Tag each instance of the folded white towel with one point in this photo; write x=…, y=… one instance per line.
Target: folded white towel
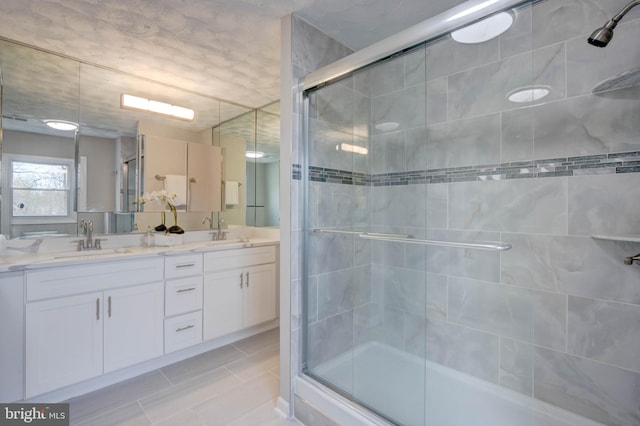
x=231, y=193
x=177, y=184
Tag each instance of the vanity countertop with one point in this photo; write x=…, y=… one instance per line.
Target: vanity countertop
x=107, y=254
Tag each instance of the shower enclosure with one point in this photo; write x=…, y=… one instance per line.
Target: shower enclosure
x=433, y=180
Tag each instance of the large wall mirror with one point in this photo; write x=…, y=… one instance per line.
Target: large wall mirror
x=53, y=178
x=251, y=147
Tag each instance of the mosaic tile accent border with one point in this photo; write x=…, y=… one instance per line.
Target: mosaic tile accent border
x=620, y=162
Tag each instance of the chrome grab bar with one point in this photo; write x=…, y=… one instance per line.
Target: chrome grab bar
x=398, y=238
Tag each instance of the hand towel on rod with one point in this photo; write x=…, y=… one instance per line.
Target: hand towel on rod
x=231, y=193
x=177, y=184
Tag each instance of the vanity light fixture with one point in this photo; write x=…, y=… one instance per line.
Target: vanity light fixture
x=528, y=94
x=254, y=154
x=484, y=30
x=143, y=104
x=61, y=124
x=352, y=148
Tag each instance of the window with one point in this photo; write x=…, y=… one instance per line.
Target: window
x=40, y=187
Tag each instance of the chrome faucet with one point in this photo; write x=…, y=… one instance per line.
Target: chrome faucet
x=89, y=244
x=208, y=219
x=220, y=234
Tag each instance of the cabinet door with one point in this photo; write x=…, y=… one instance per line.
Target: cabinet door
x=63, y=342
x=222, y=312
x=259, y=294
x=133, y=325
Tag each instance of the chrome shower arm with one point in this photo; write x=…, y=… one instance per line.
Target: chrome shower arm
x=625, y=10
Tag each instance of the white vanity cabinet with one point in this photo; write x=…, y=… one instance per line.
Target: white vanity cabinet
x=183, y=301
x=11, y=336
x=239, y=289
x=83, y=321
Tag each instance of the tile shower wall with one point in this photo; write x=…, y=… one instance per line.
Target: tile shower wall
x=557, y=317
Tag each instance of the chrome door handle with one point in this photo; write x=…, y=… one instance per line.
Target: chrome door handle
x=109, y=306
x=247, y=279
x=241, y=279
x=98, y=309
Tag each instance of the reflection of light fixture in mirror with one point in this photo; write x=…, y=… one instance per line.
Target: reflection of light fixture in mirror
x=484, y=30
x=352, y=148
x=387, y=126
x=134, y=102
x=61, y=124
x=528, y=94
x=254, y=154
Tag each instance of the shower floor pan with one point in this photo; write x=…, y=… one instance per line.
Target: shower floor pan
x=393, y=382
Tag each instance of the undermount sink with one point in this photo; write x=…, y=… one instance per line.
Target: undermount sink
x=91, y=254
x=219, y=243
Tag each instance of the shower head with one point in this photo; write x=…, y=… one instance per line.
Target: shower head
x=602, y=36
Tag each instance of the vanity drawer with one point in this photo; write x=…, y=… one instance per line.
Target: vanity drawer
x=238, y=258
x=182, y=331
x=182, y=266
x=183, y=295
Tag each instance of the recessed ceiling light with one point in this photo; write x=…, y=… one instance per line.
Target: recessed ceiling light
x=528, y=94
x=135, y=102
x=484, y=30
x=387, y=126
x=254, y=154
x=61, y=124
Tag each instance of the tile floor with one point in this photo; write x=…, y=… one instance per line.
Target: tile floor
x=234, y=385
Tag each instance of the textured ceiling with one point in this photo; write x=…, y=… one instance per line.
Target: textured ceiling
x=227, y=49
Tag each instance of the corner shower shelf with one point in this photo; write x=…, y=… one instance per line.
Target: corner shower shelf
x=626, y=238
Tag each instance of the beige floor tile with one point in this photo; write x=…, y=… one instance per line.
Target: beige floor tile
x=257, y=363
x=259, y=341
x=110, y=398
x=201, y=364
x=238, y=401
x=129, y=415
x=183, y=418
x=185, y=395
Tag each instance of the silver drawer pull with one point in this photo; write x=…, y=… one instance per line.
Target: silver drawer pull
x=184, y=290
x=186, y=265
x=241, y=279
x=109, y=306
x=184, y=328
x=98, y=309
x=247, y=279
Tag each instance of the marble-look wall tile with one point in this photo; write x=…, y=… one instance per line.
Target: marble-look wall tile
x=550, y=198
x=516, y=366
x=437, y=100
x=374, y=322
x=605, y=331
x=588, y=66
x=437, y=205
x=437, y=296
x=578, y=266
x=484, y=89
x=311, y=303
x=322, y=147
x=604, y=204
x=415, y=334
x=400, y=206
x=340, y=291
x=405, y=290
x=312, y=49
x=517, y=135
x=387, y=153
x=518, y=38
x=416, y=148
x=335, y=104
x=565, y=19
x=467, y=142
x=506, y=205
x=461, y=262
x=329, y=252
x=597, y=391
x=415, y=67
x=329, y=338
x=469, y=351
x=587, y=125
x=459, y=56
x=525, y=315
x=387, y=77
x=405, y=107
